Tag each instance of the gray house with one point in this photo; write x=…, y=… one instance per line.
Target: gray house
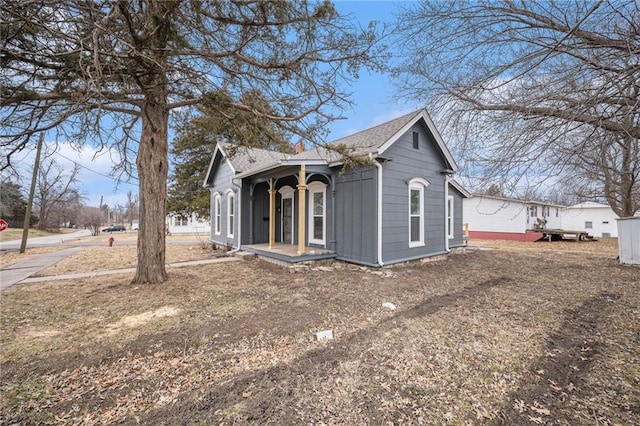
x=402, y=205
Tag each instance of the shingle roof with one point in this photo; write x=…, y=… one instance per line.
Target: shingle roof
x=361, y=143
x=245, y=158
x=365, y=142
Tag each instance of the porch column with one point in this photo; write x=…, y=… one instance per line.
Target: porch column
x=272, y=214
x=302, y=193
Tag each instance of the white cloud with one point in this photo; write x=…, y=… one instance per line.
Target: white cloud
x=94, y=179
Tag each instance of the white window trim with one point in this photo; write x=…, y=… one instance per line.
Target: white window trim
x=450, y=217
x=313, y=188
x=419, y=184
x=217, y=214
x=231, y=197
x=286, y=192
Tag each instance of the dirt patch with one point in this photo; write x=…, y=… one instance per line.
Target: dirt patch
x=500, y=336
x=132, y=321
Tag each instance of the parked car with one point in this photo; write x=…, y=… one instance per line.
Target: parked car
x=115, y=228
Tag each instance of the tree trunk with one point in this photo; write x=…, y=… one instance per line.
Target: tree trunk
x=152, y=163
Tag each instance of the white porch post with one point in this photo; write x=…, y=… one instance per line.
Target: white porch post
x=302, y=192
x=272, y=214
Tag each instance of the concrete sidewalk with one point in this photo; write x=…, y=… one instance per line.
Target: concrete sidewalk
x=20, y=271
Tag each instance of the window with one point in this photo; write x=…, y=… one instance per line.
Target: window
x=317, y=208
x=217, y=212
x=181, y=221
x=605, y=222
x=416, y=143
x=588, y=225
x=556, y=212
x=416, y=211
x=230, y=213
x=450, y=216
x=534, y=211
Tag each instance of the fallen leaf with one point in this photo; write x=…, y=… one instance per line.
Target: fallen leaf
x=246, y=394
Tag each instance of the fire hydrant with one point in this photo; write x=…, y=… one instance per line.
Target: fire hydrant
x=111, y=240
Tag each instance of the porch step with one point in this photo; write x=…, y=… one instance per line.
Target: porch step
x=245, y=255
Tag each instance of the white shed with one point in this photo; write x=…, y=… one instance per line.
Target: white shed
x=595, y=218
x=629, y=240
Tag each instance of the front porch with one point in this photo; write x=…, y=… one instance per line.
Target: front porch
x=289, y=252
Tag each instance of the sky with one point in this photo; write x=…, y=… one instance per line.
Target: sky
x=373, y=104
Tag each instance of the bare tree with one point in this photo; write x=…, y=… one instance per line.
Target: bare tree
x=533, y=90
x=91, y=218
x=55, y=189
x=113, y=71
x=131, y=207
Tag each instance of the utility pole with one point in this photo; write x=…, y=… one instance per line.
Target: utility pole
x=32, y=190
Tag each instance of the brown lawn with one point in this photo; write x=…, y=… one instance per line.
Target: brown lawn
x=525, y=333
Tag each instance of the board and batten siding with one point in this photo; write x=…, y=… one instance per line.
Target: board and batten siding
x=407, y=163
x=458, y=224
x=356, y=216
x=221, y=184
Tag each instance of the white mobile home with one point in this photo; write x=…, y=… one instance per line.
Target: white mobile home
x=595, y=218
x=491, y=217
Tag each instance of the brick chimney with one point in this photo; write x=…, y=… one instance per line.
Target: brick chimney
x=299, y=147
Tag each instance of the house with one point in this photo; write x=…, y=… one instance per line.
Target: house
x=491, y=217
x=597, y=219
x=400, y=205
x=187, y=224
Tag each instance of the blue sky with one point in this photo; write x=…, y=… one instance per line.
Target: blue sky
x=372, y=95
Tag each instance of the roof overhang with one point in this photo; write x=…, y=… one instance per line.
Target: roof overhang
x=432, y=128
x=218, y=150
x=274, y=165
x=460, y=188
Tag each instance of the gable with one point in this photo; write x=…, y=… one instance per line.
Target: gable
x=216, y=159
x=422, y=119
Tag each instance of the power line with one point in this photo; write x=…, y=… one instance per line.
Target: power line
x=98, y=173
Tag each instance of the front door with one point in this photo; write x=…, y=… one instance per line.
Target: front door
x=287, y=220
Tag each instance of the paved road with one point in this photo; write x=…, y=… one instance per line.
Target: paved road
x=45, y=241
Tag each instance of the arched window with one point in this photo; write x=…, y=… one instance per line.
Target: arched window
x=231, y=208
x=416, y=211
x=217, y=212
x=317, y=209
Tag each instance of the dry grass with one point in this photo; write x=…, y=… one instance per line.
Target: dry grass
x=120, y=256
x=9, y=257
x=526, y=335
x=97, y=254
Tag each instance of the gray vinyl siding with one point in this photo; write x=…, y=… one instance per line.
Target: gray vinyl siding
x=356, y=215
x=408, y=163
x=458, y=229
x=221, y=183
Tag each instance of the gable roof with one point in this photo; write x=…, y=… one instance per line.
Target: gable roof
x=376, y=140
x=245, y=158
x=515, y=200
x=459, y=188
x=373, y=141
x=589, y=205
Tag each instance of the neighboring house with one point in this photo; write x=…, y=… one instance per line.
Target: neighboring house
x=187, y=224
x=490, y=217
x=597, y=219
x=402, y=206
